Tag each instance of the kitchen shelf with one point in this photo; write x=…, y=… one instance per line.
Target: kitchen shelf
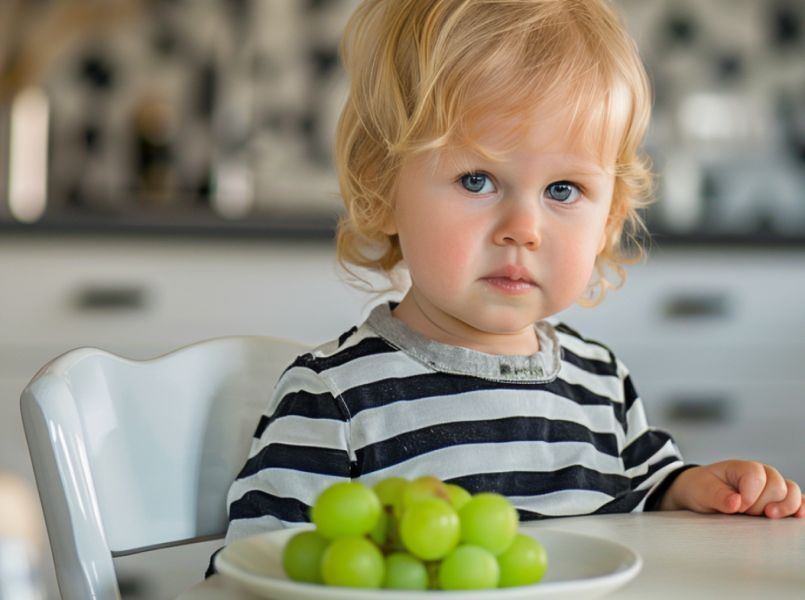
x=283, y=226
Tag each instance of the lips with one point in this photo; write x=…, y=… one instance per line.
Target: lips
x=511, y=280
x=512, y=273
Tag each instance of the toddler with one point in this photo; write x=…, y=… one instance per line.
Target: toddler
x=490, y=148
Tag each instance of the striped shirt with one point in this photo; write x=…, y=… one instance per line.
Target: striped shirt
x=561, y=432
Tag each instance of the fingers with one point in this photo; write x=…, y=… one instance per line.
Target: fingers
x=711, y=491
x=790, y=505
x=774, y=491
x=778, y=497
x=739, y=486
x=749, y=479
x=726, y=501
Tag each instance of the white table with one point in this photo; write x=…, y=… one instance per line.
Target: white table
x=685, y=556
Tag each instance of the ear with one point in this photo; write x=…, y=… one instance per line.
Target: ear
x=603, y=243
x=605, y=235
x=389, y=224
x=612, y=228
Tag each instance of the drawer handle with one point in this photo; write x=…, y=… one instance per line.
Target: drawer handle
x=703, y=410
x=110, y=298
x=697, y=306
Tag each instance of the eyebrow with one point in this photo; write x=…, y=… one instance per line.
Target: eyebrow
x=582, y=167
x=589, y=172
x=463, y=159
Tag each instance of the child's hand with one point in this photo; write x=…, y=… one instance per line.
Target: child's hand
x=735, y=486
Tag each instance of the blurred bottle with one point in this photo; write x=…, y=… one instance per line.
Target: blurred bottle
x=20, y=540
x=19, y=577
x=154, y=151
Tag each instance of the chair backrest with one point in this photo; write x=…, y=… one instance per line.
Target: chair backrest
x=133, y=455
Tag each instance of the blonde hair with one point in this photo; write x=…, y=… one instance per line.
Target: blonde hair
x=424, y=73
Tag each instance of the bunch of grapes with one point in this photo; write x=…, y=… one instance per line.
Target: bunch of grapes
x=413, y=535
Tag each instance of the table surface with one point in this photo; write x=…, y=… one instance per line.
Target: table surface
x=685, y=555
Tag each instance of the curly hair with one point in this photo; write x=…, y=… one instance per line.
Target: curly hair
x=424, y=73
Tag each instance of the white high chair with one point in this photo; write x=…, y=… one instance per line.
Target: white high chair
x=131, y=456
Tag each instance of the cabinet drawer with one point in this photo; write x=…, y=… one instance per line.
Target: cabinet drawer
x=690, y=297
x=149, y=296
x=704, y=362
x=758, y=420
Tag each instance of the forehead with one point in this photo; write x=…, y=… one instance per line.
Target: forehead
x=587, y=138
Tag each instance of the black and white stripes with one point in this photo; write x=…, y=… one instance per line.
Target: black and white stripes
x=362, y=408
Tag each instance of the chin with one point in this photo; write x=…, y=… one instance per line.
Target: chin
x=502, y=324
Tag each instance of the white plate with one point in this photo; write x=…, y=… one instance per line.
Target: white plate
x=579, y=566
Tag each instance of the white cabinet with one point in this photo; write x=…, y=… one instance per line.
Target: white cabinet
x=147, y=295
x=715, y=342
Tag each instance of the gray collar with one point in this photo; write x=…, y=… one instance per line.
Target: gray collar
x=541, y=367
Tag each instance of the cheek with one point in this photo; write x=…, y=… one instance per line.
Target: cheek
x=575, y=268
x=438, y=253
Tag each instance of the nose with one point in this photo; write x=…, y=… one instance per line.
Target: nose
x=520, y=226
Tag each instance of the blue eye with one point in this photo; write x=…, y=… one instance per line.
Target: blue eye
x=477, y=183
x=563, y=191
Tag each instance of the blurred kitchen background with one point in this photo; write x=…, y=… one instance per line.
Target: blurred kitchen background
x=166, y=176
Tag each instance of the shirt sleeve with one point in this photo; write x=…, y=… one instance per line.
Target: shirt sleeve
x=651, y=459
x=300, y=447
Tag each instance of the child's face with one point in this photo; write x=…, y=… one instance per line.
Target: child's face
x=497, y=246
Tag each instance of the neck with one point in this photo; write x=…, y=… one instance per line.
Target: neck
x=441, y=327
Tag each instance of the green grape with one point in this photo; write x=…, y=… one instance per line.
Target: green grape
x=380, y=532
x=353, y=562
x=469, y=568
x=389, y=490
x=489, y=520
x=458, y=495
x=524, y=562
x=405, y=572
x=430, y=529
x=422, y=488
x=346, y=508
x=301, y=557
